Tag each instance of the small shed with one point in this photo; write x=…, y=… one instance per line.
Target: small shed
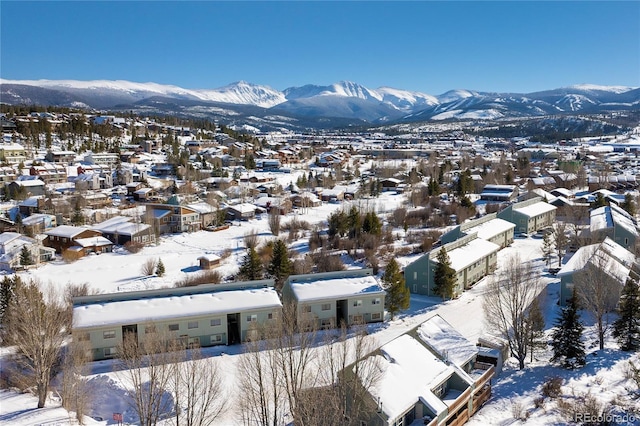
x=209, y=261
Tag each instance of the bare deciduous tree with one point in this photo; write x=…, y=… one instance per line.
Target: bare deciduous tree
x=263, y=398
x=251, y=239
x=560, y=240
x=274, y=221
x=35, y=325
x=149, y=366
x=345, y=375
x=597, y=290
x=73, y=386
x=198, y=390
x=508, y=296
x=149, y=266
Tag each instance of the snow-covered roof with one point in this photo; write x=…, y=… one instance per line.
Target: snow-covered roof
x=409, y=372
x=165, y=308
x=491, y=228
x=476, y=249
x=333, y=288
x=93, y=241
x=535, y=209
x=446, y=341
x=616, y=260
x=210, y=257
x=606, y=216
x=243, y=208
x=66, y=231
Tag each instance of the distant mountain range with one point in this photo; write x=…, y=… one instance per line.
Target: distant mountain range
x=339, y=104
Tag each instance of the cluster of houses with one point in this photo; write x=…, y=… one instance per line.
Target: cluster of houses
x=472, y=247
x=431, y=373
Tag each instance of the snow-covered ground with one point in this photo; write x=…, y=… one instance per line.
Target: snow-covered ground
x=603, y=376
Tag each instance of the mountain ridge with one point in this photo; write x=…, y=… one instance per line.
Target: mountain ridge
x=342, y=100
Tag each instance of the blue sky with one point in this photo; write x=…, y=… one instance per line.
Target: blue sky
x=427, y=46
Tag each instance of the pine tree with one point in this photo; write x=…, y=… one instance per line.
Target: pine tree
x=444, y=278
x=567, y=341
x=251, y=268
x=280, y=267
x=160, y=268
x=626, y=329
x=534, y=323
x=398, y=296
x=25, y=256
x=629, y=205
x=7, y=288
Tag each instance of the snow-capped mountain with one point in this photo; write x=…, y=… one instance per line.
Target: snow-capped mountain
x=342, y=102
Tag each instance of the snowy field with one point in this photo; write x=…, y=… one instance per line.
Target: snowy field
x=603, y=375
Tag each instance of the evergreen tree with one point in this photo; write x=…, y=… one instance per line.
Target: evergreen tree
x=251, y=268
x=160, y=268
x=280, y=267
x=398, y=296
x=7, y=288
x=371, y=224
x=567, y=341
x=444, y=278
x=534, y=323
x=629, y=205
x=355, y=222
x=599, y=201
x=25, y=256
x=626, y=329
x=433, y=187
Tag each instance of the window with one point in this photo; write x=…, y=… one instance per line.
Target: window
x=215, y=322
x=192, y=325
x=110, y=351
x=174, y=327
x=216, y=339
x=252, y=318
x=270, y=316
x=357, y=303
x=415, y=275
x=83, y=337
x=306, y=308
x=111, y=334
x=357, y=319
x=327, y=322
x=377, y=316
x=326, y=306
x=375, y=301
x=194, y=342
x=150, y=329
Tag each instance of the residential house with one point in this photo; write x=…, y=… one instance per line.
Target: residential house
x=38, y=223
x=305, y=199
x=169, y=218
x=499, y=193
x=28, y=186
x=121, y=230
x=12, y=153
x=471, y=258
x=31, y=205
x=489, y=227
x=429, y=376
x=204, y=315
x=280, y=204
x=60, y=157
x=145, y=194
x=64, y=237
x=244, y=211
x=11, y=246
x=333, y=298
x=608, y=257
x=529, y=216
x=613, y=222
